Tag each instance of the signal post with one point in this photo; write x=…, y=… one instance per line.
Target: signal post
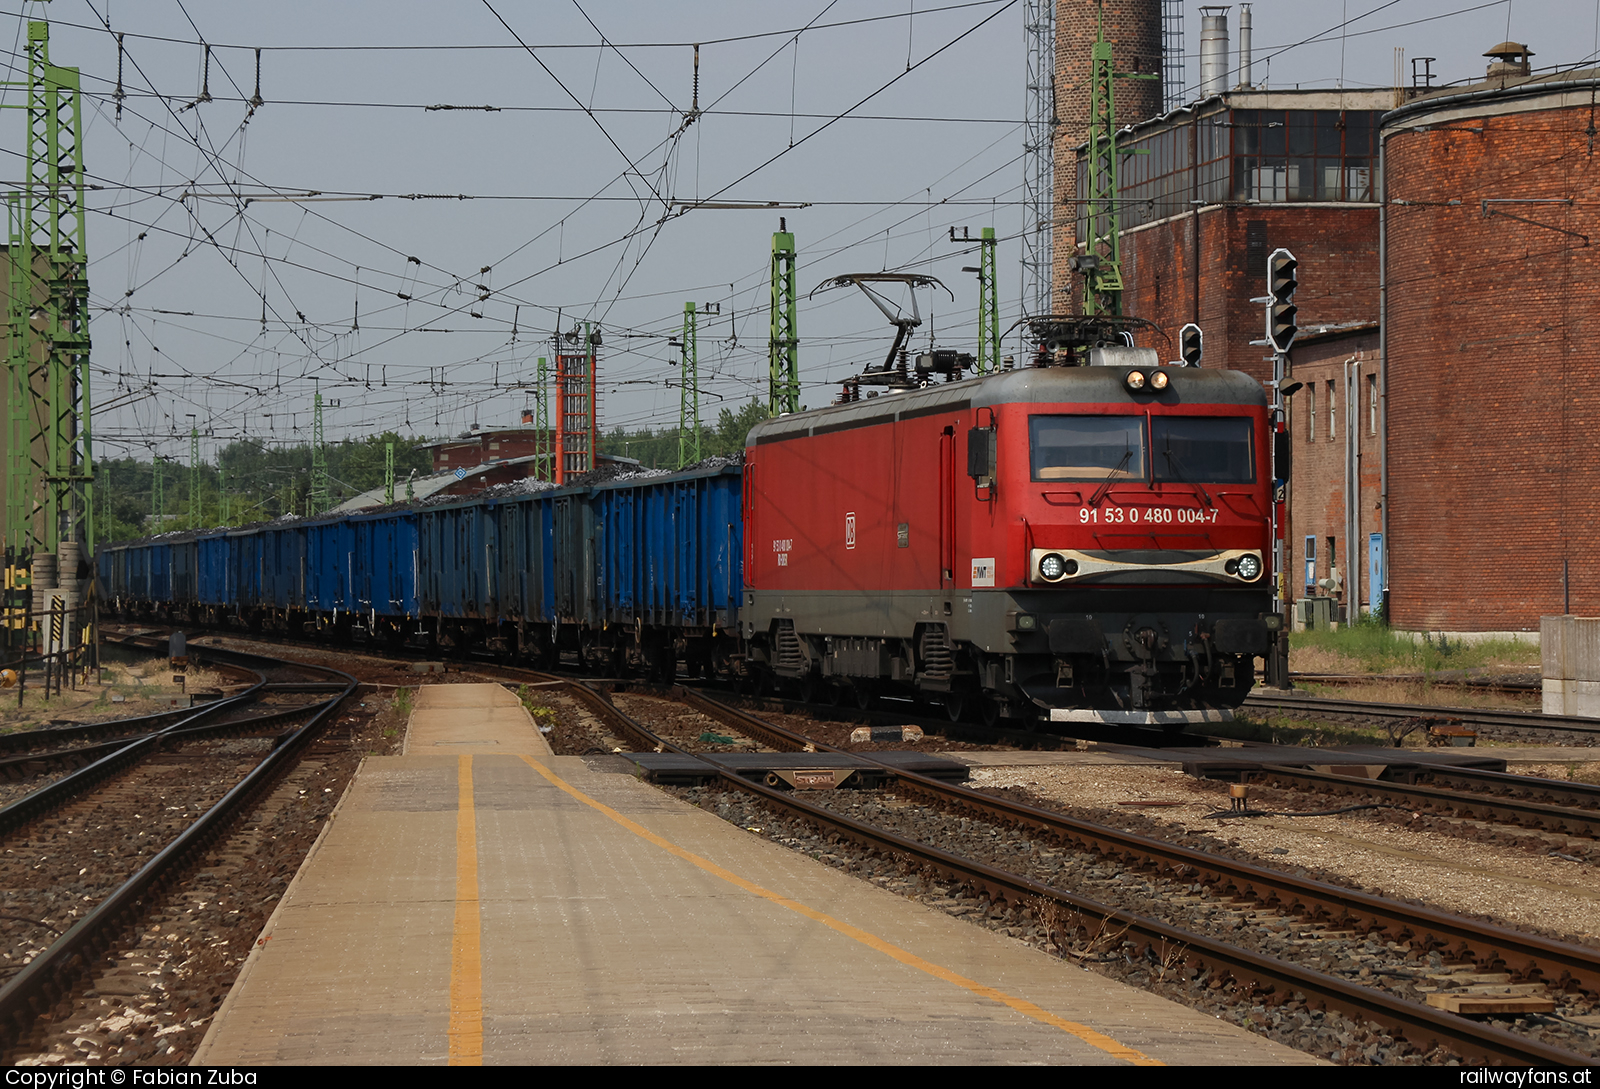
x=1282, y=279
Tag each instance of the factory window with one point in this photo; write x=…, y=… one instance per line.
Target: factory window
x=1372, y=400
x=1303, y=155
x=1311, y=413
x=1333, y=413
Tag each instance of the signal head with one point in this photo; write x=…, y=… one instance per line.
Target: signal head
x=1191, y=344
x=1281, y=282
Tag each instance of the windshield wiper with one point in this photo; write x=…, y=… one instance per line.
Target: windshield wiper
x=1105, y=485
x=1172, y=466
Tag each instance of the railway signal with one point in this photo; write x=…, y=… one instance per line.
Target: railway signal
x=1191, y=345
x=1281, y=282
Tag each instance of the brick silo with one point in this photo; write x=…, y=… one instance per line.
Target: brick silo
x=1493, y=351
x=1134, y=29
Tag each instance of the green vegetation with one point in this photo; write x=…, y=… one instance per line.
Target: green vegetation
x=262, y=483
x=659, y=449
x=402, y=701
x=537, y=710
x=1373, y=648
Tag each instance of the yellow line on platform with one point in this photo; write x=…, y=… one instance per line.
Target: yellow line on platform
x=466, y=961
x=872, y=941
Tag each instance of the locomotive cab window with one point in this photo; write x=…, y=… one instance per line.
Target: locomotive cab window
x=1086, y=447
x=1203, y=449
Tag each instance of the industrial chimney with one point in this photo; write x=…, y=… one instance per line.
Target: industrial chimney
x=1213, y=51
x=1244, y=47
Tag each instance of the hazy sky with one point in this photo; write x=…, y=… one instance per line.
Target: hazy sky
x=893, y=121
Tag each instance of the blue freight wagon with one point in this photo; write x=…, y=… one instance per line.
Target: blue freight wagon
x=625, y=574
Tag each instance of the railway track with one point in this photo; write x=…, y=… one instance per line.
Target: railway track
x=1567, y=729
x=87, y=856
x=1432, y=680
x=1322, y=909
x=1511, y=960
x=1546, y=805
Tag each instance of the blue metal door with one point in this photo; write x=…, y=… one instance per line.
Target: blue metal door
x=1374, y=571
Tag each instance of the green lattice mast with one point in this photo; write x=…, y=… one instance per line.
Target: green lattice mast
x=783, y=391
x=988, y=307
x=50, y=471
x=194, y=477
x=689, y=394
x=1101, y=264
x=317, y=501
x=545, y=469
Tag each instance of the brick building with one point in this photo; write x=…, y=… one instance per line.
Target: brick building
x=1208, y=191
x=1335, y=420
x=1492, y=338
x=480, y=445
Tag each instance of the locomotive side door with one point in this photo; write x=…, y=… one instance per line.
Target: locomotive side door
x=947, y=507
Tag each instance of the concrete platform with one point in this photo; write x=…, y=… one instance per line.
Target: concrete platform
x=495, y=906
x=450, y=719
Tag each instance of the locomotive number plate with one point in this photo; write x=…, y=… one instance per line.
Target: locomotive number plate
x=1153, y=516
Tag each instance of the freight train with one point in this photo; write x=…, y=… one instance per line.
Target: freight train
x=1043, y=544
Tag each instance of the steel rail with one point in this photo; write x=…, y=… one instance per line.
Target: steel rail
x=1519, y=720
x=1559, y=964
x=771, y=733
x=85, y=754
x=1255, y=973
x=1559, y=791
x=49, y=975
x=51, y=795
x=1497, y=807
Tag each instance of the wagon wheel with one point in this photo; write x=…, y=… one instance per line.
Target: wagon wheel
x=807, y=687
x=955, y=703
x=863, y=696
x=666, y=671
x=989, y=709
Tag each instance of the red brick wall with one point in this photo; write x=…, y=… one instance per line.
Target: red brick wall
x=485, y=446
x=1337, y=247
x=1317, y=491
x=1134, y=29
x=1494, y=374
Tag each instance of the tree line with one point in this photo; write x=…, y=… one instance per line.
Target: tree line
x=249, y=482
x=254, y=482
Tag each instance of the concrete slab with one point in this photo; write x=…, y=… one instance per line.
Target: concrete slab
x=450, y=719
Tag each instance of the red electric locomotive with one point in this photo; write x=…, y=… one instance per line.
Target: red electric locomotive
x=1068, y=543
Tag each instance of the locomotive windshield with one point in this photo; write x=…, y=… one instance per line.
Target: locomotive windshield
x=1094, y=448
x=1182, y=449
x=1202, y=449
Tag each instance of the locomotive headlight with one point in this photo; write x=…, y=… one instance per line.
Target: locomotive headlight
x=1158, y=380
x=1053, y=566
x=1250, y=567
x=1136, y=380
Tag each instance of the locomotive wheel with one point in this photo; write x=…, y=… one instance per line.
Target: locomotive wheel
x=989, y=710
x=863, y=696
x=954, y=705
x=807, y=687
